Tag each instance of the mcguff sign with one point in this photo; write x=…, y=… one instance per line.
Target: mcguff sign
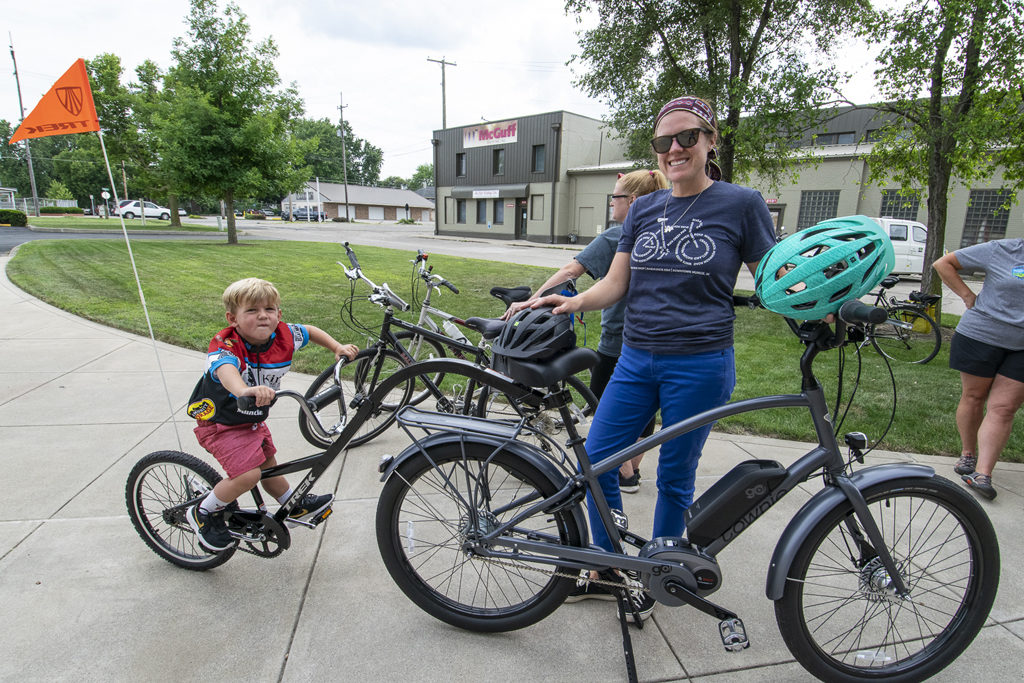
x=491, y=134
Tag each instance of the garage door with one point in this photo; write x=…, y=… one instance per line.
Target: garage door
x=376, y=213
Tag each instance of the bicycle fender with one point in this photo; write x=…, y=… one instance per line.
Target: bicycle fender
x=820, y=505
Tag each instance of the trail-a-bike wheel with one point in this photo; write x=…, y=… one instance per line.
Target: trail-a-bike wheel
x=420, y=348
x=160, y=488
x=839, y=615
x=429, y=513
x=498, y=406
x=333, y=403
x=916, y=342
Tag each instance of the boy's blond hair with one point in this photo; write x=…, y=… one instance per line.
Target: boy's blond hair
x=250, y=290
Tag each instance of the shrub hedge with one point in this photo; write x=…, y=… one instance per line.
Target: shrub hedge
x=14, y=218
x=60, y=209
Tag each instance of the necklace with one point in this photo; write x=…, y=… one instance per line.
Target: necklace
x=663, y=220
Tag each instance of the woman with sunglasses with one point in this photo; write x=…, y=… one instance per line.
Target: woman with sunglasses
x=676, y=265
x=595, y=260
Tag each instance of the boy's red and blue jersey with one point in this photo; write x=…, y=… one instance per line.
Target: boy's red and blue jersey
x=258, y=365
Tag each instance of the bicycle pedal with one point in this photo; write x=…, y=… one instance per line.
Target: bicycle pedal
x=734, y=635
x=620, y=519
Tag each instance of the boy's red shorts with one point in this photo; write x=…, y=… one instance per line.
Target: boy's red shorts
x=238, y=448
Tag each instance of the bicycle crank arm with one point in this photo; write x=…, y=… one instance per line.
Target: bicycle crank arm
x=680, y=591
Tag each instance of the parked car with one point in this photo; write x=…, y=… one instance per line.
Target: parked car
x=908, y=242
x=130, y=209
x=303, y=213
x=182, y=212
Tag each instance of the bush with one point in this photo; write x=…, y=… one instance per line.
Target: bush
x=406, y=221
x=254, y=216
x=340, y=219
x=14, y=218
x=60, y=209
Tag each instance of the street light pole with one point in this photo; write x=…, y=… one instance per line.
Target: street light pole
x=344, y=164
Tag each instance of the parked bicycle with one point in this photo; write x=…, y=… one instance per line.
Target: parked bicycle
x=887, y=573
x=450, y=392
x=908, y=334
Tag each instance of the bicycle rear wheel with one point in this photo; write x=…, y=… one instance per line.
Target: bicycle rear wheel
x=428, y=513
x=331, y=401
x=838, y=614
x=909, y=336
x=498, y=406
x=419, y=349
x=160, y=487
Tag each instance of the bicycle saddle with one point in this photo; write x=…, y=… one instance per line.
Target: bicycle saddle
x=922, y=298
x=510, y=295
x=889, y=282
x=550, y=371
x=488, y=327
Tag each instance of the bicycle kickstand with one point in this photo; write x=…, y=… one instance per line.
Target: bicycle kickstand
x=627, y=641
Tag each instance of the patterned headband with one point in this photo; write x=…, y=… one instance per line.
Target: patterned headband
x=694, y=105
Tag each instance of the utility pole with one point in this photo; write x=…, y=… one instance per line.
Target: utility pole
x=28, y=151
x=444, y=105
x=344, y=164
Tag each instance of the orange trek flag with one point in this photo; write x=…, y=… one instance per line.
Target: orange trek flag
x=67, y=108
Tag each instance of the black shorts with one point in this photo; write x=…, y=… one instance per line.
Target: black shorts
x=985, y=360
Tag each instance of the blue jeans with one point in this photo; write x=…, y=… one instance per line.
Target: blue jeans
x=682, y=386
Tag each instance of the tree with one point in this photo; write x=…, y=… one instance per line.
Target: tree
x=423, y=177
x=965, y=56
x=58, y=190
x=755, y=59
x=223, y=124
x=362, y=159
x=393, y=181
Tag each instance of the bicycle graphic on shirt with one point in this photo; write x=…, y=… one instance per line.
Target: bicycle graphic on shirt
x=688, y=245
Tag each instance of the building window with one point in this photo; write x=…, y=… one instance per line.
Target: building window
x=537, y=207
x=460, y=210
x=481, y=211
x=499, y=162
x=987, y=216
x=460, y=164
x=817, y=206
x=499, y=211
x=900, y=207
x=847, y=138
x=538, y=158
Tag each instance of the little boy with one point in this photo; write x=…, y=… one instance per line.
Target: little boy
x=248, y=358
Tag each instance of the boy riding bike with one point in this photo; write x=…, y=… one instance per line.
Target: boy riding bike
x=248, y=358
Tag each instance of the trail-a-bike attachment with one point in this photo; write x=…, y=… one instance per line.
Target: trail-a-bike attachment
x=164, y=484
x=401, y=343
x=887, y=573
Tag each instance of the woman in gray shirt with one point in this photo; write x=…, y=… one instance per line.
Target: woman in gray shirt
x=988, y=350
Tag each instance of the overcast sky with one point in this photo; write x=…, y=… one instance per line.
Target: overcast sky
x=510, y=58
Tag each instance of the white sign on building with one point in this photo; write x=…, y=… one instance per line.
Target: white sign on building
x=490, y=134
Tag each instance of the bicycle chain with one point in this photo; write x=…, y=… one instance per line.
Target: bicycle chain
x=562, y=575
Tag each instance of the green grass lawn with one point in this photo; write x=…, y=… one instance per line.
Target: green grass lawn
x=113, y=223
x=183, y=282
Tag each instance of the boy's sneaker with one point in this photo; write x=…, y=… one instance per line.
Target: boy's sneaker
x=629, y=484
x=966, y=464
x=641, y=601
x=311, y=505
x=210, y=528
x=982, y=483
x=586, y=589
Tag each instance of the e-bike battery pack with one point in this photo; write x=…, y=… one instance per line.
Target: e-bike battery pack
x=727, y=503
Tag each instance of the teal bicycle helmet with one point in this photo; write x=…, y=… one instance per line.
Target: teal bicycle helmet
x=811, y=273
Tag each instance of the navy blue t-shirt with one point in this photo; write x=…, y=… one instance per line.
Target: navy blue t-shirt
x=683, y=270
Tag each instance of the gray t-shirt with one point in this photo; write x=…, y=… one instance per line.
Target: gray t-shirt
x=998, y=315
x=596, y=259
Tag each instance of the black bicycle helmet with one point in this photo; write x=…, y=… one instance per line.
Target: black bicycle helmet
x=534, y=334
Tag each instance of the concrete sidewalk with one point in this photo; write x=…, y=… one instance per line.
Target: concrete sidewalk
x=84, y=599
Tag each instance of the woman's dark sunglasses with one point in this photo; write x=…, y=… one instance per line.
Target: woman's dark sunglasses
x=686, y=138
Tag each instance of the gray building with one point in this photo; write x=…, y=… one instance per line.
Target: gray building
x=837, y=186
x=543, y=178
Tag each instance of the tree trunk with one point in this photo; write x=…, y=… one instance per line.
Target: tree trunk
x=172, y=204
x=229, y=208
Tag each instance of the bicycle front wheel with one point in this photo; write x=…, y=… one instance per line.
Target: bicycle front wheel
x=841, y=618
x=331, y=402
x=160, y=488
x=430, y=511
x=909, y=336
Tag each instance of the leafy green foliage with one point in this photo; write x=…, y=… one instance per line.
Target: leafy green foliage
x=58, y=190
x=755, y=58
x=362, y=159
x=13, y=218
x=423, y=177
x=952, y=72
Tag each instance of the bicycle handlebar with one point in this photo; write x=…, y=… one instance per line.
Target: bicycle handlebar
x=854, y=311
x=352, y=257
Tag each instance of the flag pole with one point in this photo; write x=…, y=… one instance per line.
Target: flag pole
x=142, y=296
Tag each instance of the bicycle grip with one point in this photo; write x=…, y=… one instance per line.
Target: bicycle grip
x=854, y=311
x=351, y=256
x=394, y=298
x=450, y=286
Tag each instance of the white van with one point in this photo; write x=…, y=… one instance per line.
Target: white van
x=908, y=242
